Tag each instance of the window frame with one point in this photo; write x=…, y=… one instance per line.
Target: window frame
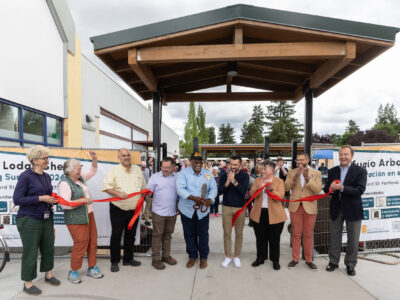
x=112, y=116
x=21, y=139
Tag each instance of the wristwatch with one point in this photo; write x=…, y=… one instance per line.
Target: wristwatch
x=234, y=182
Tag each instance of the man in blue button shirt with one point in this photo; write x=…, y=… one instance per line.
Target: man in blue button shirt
x=197, y=190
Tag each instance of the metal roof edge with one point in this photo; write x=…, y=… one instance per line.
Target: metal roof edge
x=246, y=12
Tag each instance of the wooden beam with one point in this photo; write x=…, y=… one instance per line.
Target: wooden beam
x=331, y=67
x=260, y=84
x=198, y=85
x=238, y=36
x=142, y=71
x=266, y=51
x=229, y=84
x=327, y=71
x=227, y=97
x=210, y=73
x=270, y=76
x=283, y=66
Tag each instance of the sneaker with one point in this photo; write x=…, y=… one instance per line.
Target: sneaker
x=94, y=272
x=212, y=215
x=73, y=276
x=217, y=215
x=292, y=264
x=226, y=262
x=236, y=262
x=312, y=266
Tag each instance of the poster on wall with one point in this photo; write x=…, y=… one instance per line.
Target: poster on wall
x=381, y=199
x=13, y=162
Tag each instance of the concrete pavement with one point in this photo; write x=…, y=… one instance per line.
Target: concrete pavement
x=373, y=281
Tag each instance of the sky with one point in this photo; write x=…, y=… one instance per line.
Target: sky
x=357, y=97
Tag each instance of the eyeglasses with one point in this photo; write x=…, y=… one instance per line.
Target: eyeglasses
x=44, y=158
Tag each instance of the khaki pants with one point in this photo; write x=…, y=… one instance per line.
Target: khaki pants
x=147, y=209
x=227, y=215
x=163, y=228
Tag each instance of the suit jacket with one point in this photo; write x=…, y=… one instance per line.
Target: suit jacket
x=312, y=187
x=349, y=201
x=276, y=212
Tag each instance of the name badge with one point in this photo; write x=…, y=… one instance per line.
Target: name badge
x=46, y=215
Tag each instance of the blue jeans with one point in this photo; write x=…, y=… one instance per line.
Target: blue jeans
x=195, y=232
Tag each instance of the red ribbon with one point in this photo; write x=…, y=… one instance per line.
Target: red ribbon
x=275, y=197
x=138, y=209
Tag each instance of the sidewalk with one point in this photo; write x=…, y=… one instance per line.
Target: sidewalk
x=373, y=281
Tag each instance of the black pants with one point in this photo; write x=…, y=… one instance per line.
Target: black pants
x=119, y=223
x=267, y=234
x=214, y=207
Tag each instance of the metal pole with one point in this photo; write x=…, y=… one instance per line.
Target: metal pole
x=157, y=129
x=294, y=154
x=309, y=95
x=195, y=144
x=266, y=147
x=164, y=150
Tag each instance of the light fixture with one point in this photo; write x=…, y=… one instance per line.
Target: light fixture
x=232, y=68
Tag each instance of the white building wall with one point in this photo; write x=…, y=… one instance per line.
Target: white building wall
x=31, y=56
x=99, y=90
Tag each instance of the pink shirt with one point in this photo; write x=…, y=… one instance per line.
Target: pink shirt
x=65, y=191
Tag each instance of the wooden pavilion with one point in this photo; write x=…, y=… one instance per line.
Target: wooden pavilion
x=284, y=55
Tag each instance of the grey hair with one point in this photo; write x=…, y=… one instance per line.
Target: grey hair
x=36, y=152
x=69, y=165
x=214, y=168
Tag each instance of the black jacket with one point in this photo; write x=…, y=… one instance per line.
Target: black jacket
x=349, y=201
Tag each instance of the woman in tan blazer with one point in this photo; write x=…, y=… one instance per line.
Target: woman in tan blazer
x=268, y=216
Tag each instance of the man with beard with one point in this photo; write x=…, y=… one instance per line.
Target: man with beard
x=197, y=190
x=303, y=182
x=233, y=185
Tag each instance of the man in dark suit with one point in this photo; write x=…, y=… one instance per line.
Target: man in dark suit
x=346, y=204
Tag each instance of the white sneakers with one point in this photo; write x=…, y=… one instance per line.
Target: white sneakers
x=227, y=261
x=236, y=262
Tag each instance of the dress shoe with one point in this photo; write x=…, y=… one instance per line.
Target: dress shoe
x=276, y=265
x=114, y=267
x=158, y=265
x=169, y=260
x=132, y=263
x=203, y=263
x=331, y=267
x=350, y=271
x=312, y=266
x=292, y=264
x=257, y=262
x=190, y=262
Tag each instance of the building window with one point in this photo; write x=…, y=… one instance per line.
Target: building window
x=119, y=133
x=9, y=121
x=37, y=127
x=33, y=126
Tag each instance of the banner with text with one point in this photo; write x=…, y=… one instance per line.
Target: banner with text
x=13, y=162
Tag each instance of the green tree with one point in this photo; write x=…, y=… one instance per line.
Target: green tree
x=191, y=129
x=212, y=139
x=201, y=125
x=226, y=134
x=387, y=120
x=352, y=128
x=283, y=127
x=252, y=132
